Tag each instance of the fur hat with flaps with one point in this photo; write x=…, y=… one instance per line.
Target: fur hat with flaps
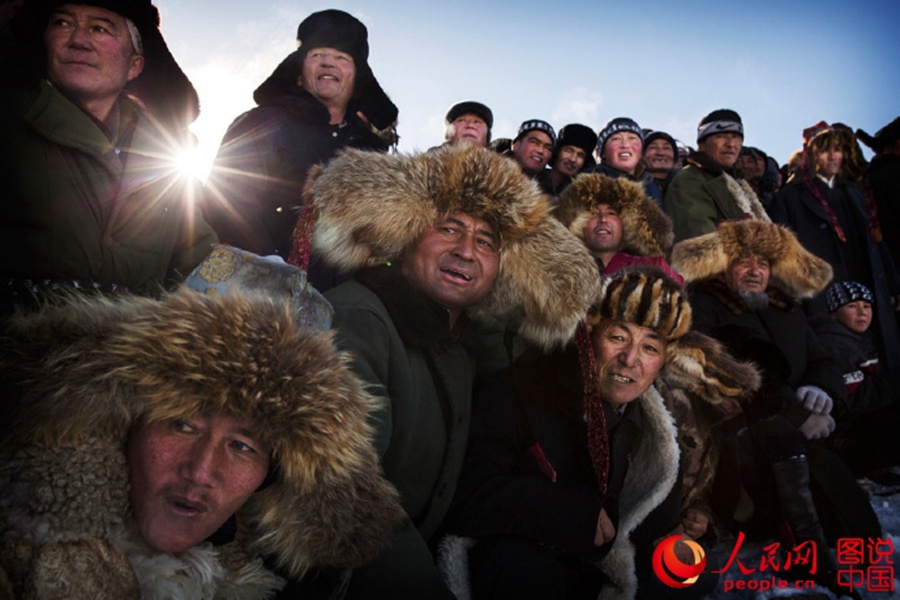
x=794, y=269
x=92, y=368
x=646, y=230
x=370, y=207
x=162, y=86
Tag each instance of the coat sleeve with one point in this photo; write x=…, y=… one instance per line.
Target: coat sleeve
x=496, y=495
x=692, y=208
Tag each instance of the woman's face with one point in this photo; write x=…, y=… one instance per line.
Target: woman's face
x=629, y=358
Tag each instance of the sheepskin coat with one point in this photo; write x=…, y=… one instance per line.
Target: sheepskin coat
x=83, y=374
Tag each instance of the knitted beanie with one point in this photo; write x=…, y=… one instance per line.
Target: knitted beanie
x=533, y=124
x=723, y=120
x=614, y=126
x=840, y=293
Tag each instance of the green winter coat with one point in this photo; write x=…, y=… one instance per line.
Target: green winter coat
x=402, y=345
x=76, y=207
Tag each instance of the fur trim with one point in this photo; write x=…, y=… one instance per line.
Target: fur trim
x=372, y=206
x=646, y=229
x=700, y=365
x=794, y=269
x=746, y=198
x=93, y=367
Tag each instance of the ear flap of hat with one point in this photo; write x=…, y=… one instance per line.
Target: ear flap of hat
x=701, y=365
x=700, y=257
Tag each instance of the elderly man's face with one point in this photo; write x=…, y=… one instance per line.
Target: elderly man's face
x=533, y=151
x=90, y=56
x=629, y=358
x=455, y=262
x=749, y=274
x=570, y=160
x=188, y=476
x=469, y=128
x=659, y=156
x=329, y=76
x=724, y=148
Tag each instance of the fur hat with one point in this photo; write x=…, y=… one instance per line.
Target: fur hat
x=92, y=368
x=614, y=126
x=162, y=86
x=371, y=206
x=336, y=29
x=580, y=136
x=723, y=120
x=884, y=137
x=840, y=293
x=646, y=230
x=794, y=269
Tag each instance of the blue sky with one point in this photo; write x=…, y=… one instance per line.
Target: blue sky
x=782, y=65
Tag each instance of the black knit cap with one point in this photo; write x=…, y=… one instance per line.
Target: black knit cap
x=342, y=31
x=661, y=135
x=723, y=120
x=162, y=86
x=531, y=125
x=470, y=106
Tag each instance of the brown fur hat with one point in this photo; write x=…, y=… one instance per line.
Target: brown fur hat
x=92, y=368
x=646, y=296
x=371, y=206
x=646, y=230
x=794, y=269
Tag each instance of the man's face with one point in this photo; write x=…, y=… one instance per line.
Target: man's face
x=533, y=151
x=749, y=274
x=328, y=75
x=629, y=359
x=623, y=151
x=724, y=148
x=751, y=167
x=455, y=262
x=659, y=156
x=828, y=161
x=603, y=231
x=855, y=316
x=90, y=56
x=570, y=160
x=188, y=476
x=469, y=128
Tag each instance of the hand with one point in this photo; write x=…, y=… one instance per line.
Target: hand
x=605, y=529
x=815, y=399
x=695, y=523
x=730, y=408
x=817, y=426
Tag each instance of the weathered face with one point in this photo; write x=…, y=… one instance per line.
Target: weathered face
x=828, y=161
x=623, y=151
x=455, y=262
x=855, y=316
x=749, y=274
x=469, y=128
x=90, y=55
x=570, y=160
x=629, y=359
x=724, y=148
x=188, y=476
x=328, y=75
x=603, y=231
x=659, y=155
x=533, y=151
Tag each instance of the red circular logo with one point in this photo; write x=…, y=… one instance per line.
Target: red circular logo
x=670, y=569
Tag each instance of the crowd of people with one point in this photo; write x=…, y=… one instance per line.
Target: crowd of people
x=497, y=368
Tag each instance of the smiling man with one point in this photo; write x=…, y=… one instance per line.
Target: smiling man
x=95, y=112
x=533, y=146
x=706, y=192
x=425, y=235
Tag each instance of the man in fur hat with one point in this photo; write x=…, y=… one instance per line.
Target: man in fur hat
x=572, y=154
x=745, y=281
x=837, y=222
x=95, y=111
x=321, y=98
x=706, y=191
x=193, y=446
x=425, y=234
